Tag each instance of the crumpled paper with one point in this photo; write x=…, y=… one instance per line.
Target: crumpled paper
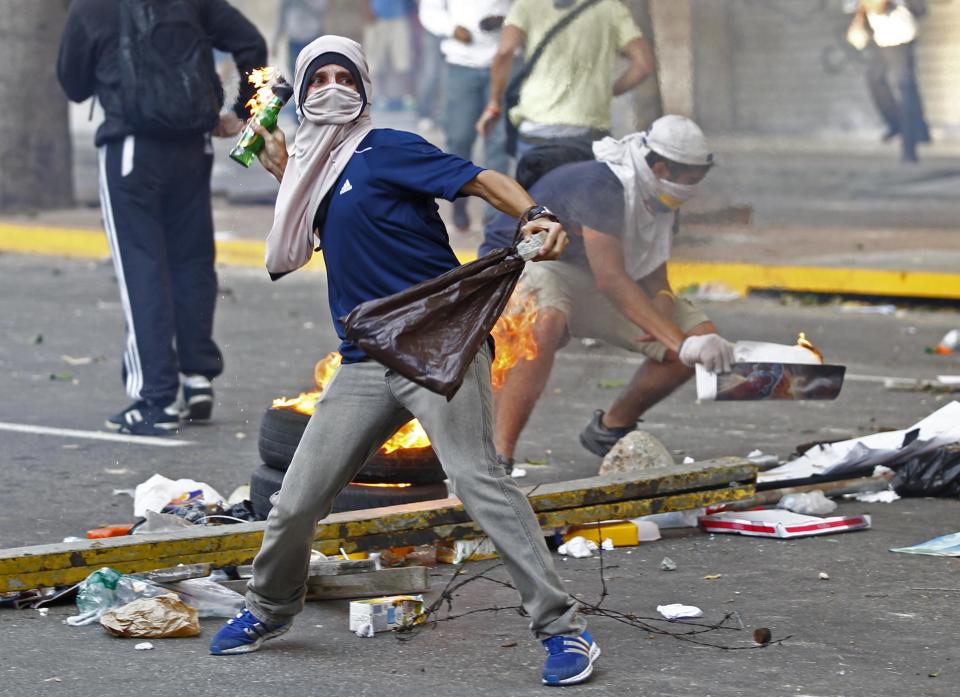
x=676, y=611
x=577, y=547
x=159, y=617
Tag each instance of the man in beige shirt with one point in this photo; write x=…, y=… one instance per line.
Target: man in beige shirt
x=567, y=95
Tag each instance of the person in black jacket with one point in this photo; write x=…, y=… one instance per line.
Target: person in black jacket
x=155, y=182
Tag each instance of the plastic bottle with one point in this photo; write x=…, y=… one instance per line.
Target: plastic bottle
x=250, y=142
x=949, y=343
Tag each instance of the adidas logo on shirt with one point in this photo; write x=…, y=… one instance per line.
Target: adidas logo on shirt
x=346, y=187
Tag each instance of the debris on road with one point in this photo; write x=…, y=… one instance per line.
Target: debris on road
x=163, y=616
x=578, y=547
x=943, y=546
x=668, y=564
x=636, y=451
x=823, y=576
x=761, y=635
x=676, y=611
x=143, y=646
x=937, y=430
x=781, y=524
x=888, y=496
x=933, y=474
x=384, y=614
x=158, y=491
x=809, y=503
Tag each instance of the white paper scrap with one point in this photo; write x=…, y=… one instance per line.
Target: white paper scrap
x=577, y=547
x=676, y=611
x=143, y=646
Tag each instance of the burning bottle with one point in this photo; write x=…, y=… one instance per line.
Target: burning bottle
x=273, y=91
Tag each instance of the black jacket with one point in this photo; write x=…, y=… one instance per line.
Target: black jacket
x=88, y=60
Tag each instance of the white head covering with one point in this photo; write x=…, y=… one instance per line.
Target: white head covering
x=646, y=239
x=333, y=121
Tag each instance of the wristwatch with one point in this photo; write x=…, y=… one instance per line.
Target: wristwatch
x=535, y=212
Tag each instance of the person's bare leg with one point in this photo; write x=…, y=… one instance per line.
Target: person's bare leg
x=651, y=383
x=525, y=381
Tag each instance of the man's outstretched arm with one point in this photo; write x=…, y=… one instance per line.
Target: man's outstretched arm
x=504, y=194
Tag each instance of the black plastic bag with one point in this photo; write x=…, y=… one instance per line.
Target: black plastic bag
x=430, y=332
x=933, y=474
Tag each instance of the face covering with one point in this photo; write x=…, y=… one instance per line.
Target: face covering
x=671, y=195
x=661, y=195
x=333, y=104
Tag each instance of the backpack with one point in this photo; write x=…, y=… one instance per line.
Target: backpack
x=168, y=80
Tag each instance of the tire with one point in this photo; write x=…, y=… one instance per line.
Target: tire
x=280, y=433
x=265, y=481
x=355, y=497
x=281, y=430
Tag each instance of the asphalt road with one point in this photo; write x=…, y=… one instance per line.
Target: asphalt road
x=866, y=631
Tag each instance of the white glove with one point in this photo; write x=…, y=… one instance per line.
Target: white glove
x=710, y=350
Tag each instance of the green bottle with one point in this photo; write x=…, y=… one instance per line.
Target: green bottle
x=250, y=143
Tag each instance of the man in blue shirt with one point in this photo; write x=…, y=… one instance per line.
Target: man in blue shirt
x=368, y=195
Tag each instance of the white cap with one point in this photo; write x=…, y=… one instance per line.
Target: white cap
x=679, y=139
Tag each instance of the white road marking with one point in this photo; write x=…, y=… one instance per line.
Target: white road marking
x=93, y=435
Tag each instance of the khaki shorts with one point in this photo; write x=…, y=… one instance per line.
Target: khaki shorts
x=571, y=290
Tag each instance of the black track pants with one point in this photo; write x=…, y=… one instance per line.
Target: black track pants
x=155, y=201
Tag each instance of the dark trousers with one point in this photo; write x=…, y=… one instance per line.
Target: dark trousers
x=893, y=85
x=155, y=201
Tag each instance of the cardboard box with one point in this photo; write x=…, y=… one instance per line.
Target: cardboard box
x=384, y=614
x=780, y=523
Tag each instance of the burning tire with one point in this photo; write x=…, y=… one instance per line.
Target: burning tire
x=265, y=481
x=281, y=430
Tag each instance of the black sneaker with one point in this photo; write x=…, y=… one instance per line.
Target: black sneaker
x=599, y=439
x=197, y=398
x=143, y=419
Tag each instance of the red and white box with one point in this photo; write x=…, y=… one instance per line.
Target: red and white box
x=781, y=524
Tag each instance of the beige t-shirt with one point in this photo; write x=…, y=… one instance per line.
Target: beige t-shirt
x=572, y=82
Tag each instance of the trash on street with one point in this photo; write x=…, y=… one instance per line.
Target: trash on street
x=163, y=616
x=158, y=491
x=809, y=503
x=943, y=546
x=780, y=523
x=384, y=614
x=888, y=448
x=676, y=611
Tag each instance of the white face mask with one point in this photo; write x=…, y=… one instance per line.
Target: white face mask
x=333, y=104
x=672, y=194
x=660, y=195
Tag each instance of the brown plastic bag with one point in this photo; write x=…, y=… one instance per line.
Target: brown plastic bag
x=430, y=332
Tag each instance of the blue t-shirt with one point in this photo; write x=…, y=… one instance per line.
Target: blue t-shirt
x=383, y=232
x=580, y=193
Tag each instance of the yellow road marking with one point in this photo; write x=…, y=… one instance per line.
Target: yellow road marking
x=85, y=243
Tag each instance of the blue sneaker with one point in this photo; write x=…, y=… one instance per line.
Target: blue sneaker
x=570, y=659
x=243, y=634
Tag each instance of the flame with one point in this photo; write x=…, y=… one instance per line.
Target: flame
x=261, y=79
x=400, y=485
x=411, y=435
x=513, y=334
x=803, y=342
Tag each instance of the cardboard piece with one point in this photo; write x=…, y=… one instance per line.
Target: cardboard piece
x=781, y=524
x=384, y=614
x=765, y=371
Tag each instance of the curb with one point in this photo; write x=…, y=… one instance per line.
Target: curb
x=742, y=278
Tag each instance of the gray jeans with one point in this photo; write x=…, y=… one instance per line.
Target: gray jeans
x=362, y=406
